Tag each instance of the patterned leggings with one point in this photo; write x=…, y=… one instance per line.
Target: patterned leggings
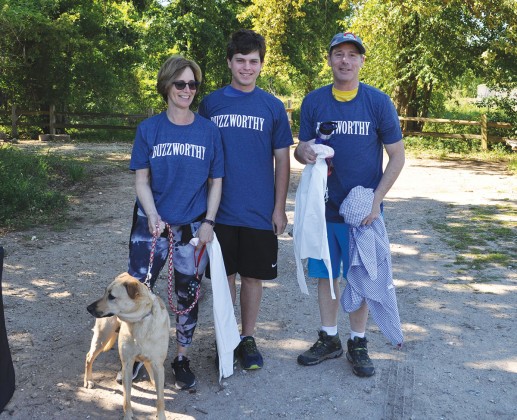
x=184, y=261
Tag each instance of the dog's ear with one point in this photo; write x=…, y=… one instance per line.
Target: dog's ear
x=133, y=289
x=124, y=276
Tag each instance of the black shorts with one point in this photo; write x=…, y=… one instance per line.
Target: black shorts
x=250, y=252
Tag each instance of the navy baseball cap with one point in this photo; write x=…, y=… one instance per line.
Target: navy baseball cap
x=349, y=37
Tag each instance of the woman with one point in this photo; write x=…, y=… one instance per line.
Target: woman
x=178, y=160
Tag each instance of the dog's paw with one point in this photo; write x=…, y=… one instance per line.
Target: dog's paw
x=89, y=384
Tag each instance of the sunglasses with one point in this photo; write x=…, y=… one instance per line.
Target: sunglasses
x=193, y=85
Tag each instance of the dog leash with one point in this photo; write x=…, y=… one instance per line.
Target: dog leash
x=170, y=275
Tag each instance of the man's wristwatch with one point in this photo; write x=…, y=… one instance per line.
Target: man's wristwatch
x=210, y=222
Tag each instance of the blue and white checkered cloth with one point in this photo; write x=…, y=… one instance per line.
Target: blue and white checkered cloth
x=369, y=275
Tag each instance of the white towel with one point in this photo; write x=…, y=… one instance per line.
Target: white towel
x=227, y=335
x=310, y=227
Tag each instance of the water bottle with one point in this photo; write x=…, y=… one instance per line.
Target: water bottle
x=323, y=136
x=324, y=132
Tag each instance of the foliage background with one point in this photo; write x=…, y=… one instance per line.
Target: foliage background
x=103, y=55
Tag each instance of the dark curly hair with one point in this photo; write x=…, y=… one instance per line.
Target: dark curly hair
x=245, y=41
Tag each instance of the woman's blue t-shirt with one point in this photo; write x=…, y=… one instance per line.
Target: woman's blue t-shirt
x=181, y=159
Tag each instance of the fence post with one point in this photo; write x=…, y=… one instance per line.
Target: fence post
x=52, y=119
x=289, y=112
x=150, y=112
x=14, y=119
x=484, y=132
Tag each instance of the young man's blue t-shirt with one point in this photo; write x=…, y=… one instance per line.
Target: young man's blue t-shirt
x=252, y=126
x=181, y=159
x=364, y=124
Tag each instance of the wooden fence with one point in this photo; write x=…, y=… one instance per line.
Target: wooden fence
x=55, y=121
x=62, y=120
x=483, y=125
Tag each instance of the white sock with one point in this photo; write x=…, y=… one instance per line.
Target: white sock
x=354, y=334
x=330, y=330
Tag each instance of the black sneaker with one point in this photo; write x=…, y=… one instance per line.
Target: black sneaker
x=249, y=355
x=327, y=347
x=136, y=369
x=357, y=354
x=185, y=379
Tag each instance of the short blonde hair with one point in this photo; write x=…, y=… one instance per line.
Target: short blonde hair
x=171, y=69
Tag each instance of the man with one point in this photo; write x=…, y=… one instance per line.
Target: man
x=366, y=121
x=256, y=137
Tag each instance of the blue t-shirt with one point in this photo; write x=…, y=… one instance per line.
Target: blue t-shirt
x=181, y=159
x=252, y=126
x=364, y=124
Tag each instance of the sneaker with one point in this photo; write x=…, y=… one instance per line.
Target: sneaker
x=185, y=379
x=136, y=369
x=249, y=355
x=327, y=347
x=357, y=354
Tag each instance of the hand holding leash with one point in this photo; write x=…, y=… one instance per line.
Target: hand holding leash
x=156, y=224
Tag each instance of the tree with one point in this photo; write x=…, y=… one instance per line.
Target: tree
x=416, y=48
x=297, y=35
x=197, y=30
x=71, y=54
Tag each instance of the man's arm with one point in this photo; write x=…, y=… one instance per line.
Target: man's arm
x=282, y=171
x=396, y=156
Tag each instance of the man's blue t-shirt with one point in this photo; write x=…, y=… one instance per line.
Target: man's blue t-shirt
x=181, y=159
x=364, y=124
x=252, y=126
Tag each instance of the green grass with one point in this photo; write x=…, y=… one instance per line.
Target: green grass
x=102, y=136
x=34, y=188
x=438, y=148
x=481, y=236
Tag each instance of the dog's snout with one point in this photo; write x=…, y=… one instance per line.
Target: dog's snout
x=94, y=310
x=91, y=308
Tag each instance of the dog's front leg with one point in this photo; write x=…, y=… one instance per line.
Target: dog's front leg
x=127, y=381
x=159, y=383
x=105, y=334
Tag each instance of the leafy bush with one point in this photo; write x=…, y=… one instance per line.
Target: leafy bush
x=32, y=187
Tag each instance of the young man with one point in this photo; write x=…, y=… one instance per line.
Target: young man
x=256, y=138
x=366, y=122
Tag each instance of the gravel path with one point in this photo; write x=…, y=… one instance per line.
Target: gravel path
x=459, y=360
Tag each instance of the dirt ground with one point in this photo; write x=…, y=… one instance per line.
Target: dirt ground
x=459, y=360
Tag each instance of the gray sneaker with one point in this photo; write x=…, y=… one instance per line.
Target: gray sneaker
x=327, y=347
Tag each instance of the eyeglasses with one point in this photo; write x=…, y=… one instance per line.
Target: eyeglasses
x=192, y=85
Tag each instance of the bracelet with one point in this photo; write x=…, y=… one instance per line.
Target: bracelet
x=210, y=222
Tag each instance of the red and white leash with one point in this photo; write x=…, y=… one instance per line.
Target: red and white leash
x=147, y=281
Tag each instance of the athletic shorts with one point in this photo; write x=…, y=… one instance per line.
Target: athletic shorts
x=250, y=252
x=337, y=234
